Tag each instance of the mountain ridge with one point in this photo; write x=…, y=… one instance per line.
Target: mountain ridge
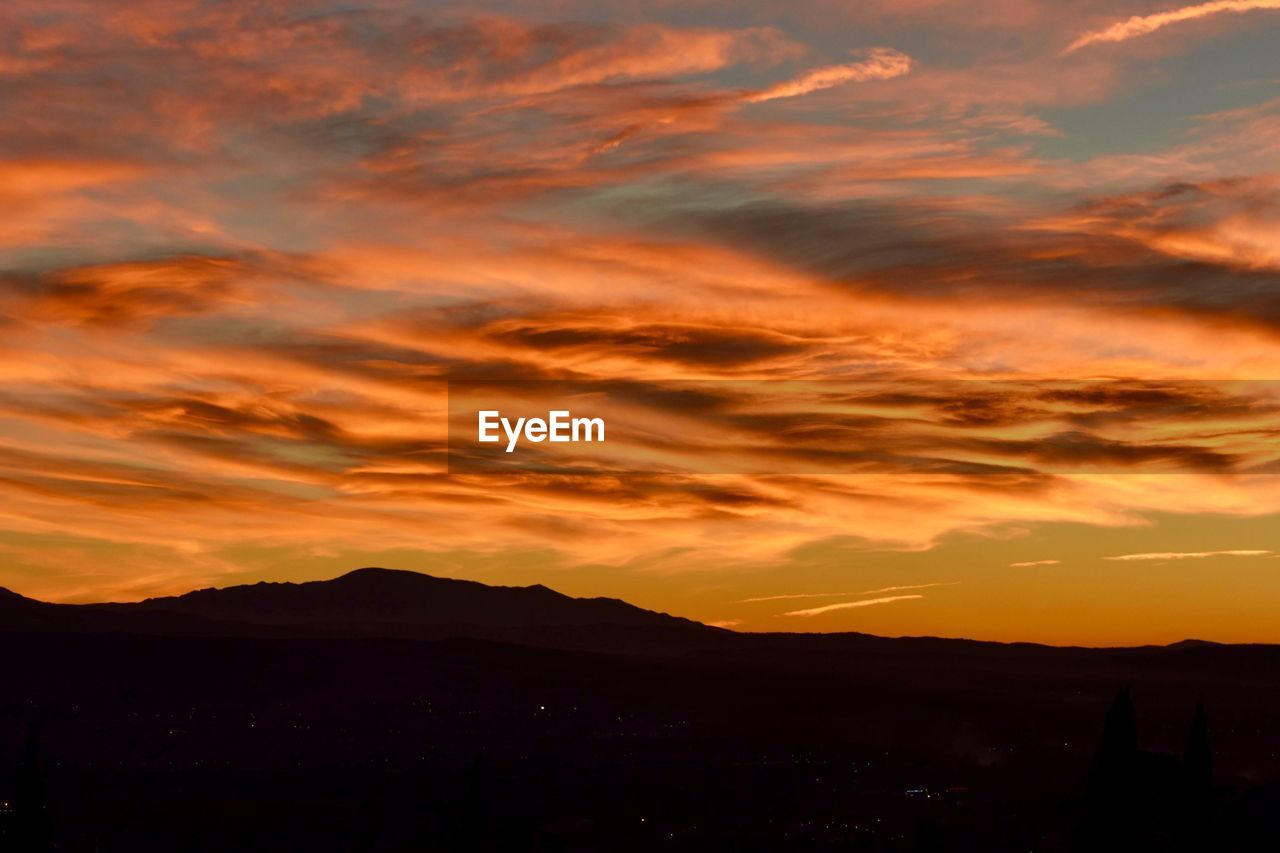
x=376, y=602
x=401, y=604
x=398, y=596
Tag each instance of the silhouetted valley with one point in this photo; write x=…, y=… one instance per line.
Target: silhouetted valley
x=393, y=711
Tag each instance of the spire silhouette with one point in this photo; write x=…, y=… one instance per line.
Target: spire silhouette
x=1115, y=762
x=1132, y=792
x=1113, y=784
x=1120, y=731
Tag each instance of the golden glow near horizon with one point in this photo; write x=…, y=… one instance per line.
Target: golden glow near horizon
x=245, y=248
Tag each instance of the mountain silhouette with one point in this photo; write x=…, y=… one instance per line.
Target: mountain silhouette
x=389, y=596
x=397, y=604
x=374, y=602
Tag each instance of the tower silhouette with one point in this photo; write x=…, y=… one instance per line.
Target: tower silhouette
x=1111, y=804
x=1115, y=763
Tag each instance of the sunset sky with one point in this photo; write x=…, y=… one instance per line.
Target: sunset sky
x=244, y=246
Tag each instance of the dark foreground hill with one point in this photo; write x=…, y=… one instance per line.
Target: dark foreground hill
x=274, y=717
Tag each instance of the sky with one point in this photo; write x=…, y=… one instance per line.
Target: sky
x=245, y=248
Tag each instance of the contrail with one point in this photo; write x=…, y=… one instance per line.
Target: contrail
x=1188, y=555
x=1140, y=25
x=814, y=611
x=837, y=594
x=882, y=63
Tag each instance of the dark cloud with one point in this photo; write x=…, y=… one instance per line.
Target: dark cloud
x=142, y=291
x=695, y=345
x=915, y=249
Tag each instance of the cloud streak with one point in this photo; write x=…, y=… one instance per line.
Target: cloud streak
x=836, y=594
x=849, y=605
x=882, y=63
x=1141, y=25
x=1188, y=555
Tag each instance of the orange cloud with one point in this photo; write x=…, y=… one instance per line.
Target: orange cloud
x=1188, y=555
x=792, y=596
x=882, y=63
x=1141, y=25
x=229, y=307
x=849, y=605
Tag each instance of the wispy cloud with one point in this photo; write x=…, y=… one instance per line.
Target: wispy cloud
x=1030, y=563
x=849, y=605
x=795, y=595
x=1141, y=25
x=882, y=63
x=1189, y=555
